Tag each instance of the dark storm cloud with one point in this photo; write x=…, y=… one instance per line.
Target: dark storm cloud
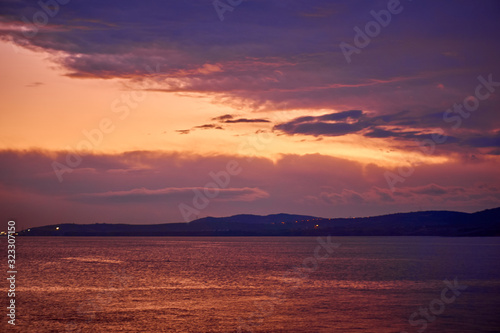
x=284, y=55
x=268, y=55
x=319, y=128
x=406, y=135
x=355, y=121
x=322, y=125
x=401, y=126
x=484, y=141
x=352, y=114
x=276, y=54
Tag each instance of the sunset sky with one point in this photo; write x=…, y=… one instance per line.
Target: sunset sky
x=123, y=111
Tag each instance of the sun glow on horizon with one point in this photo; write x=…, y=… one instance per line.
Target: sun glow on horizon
x=154, y=121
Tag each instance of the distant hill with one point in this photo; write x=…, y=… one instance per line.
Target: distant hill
x=427, y=223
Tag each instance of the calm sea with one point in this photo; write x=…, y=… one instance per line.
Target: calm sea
x=250, y=284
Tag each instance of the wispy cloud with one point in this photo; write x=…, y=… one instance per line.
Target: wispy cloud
x=34, y=84
x=143, y=195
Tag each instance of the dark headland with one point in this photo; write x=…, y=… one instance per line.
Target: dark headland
x=425, y=223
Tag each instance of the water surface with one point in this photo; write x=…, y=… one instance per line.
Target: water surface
x=184, y=284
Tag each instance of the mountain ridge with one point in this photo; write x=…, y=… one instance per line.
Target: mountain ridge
x=422, y=223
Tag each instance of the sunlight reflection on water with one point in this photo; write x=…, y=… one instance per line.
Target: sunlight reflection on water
x=369, y=284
